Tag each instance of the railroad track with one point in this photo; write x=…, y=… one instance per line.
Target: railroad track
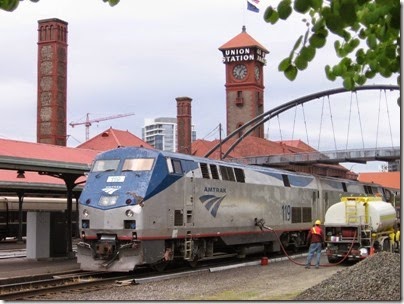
x=58, y=283
x=40, y=288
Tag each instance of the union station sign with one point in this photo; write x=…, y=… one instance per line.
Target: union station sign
x=243, y=54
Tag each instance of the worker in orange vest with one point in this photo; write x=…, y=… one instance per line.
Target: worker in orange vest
x=316, y=240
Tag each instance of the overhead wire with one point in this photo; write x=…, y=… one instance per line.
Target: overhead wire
x=321, y=125
x=360, y=121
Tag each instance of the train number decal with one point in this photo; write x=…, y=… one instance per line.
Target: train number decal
x=286, y=211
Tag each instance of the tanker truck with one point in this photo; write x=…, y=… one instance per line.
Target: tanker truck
x=356, y=227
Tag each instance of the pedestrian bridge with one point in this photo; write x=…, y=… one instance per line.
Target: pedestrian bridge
x=327, y=157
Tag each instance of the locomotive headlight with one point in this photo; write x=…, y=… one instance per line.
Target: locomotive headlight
x=85, y=213
x=129, y=213
x=107, y=201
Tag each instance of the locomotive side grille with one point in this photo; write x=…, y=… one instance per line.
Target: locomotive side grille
x=301, y=215
x=178, y=218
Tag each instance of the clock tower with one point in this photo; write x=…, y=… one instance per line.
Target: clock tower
x=244, y=58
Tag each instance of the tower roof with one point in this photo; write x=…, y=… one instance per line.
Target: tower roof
x=242, y=40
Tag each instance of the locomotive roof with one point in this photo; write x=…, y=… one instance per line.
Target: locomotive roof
x=130, y=150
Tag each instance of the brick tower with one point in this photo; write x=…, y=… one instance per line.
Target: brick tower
x=52, y=81
x=184, y=126
x=244, y=58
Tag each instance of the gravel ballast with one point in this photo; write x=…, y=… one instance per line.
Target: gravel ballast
x=376, y=278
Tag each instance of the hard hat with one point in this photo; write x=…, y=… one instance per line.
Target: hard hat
x=318, y=222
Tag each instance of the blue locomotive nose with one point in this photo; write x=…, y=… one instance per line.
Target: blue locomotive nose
x=128, y=178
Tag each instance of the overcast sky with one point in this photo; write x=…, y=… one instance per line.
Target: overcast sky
x=138, y=56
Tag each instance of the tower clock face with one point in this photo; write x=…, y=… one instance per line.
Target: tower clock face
x=257, y=73
x=240, y=71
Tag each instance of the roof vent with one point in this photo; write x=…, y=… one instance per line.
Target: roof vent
x=105, y=134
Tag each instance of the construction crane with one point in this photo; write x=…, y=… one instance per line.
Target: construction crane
x=89, y=121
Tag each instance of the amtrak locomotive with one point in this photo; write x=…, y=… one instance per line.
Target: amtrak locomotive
x=147, y=207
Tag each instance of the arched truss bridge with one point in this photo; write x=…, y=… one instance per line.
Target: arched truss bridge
x=355, y=155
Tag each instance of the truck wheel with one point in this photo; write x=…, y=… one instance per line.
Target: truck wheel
x=333, y=260
x=386, y=245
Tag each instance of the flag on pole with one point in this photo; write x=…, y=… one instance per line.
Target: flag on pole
x=253, y=6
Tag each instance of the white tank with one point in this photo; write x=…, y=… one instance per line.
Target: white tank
x=381, y=215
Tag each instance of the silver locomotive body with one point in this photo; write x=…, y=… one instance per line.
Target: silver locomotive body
x=143, y=206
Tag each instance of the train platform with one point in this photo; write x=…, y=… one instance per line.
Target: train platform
x=13, y=268
x=14, y=263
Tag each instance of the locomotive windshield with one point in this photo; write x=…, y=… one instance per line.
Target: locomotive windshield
x=105, y=165
x=138, y=164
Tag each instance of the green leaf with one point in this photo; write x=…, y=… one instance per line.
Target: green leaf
x=317, y=41
x=361, y=79
x=301, y=63
x=348, y=12
x=353, y=44
x=334, y=23
x=113, y=2
x=308, y=52
x=390, y=51
x=301, y=6
x=328, y=72
x=285, y=63
x=291, y=73
x=372, y=41
x=316, y=4
x=360, y=57
x=9, y=5
x=297, y=43
x=284, y=9
x=370, y=74
x=271, y=15
x=348, y=83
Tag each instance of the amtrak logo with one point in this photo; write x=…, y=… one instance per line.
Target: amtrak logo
x=212, y=202
x=111, y=189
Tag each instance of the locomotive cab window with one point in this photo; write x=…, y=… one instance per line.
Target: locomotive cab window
x=105, y=165
x=174, y=166
x=138, y=164
x=204, y=170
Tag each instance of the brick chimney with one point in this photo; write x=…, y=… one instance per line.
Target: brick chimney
x=52, y=82
x=184, y=118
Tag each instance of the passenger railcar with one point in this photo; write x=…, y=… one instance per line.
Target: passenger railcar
x=141, y=206
x=10, y=214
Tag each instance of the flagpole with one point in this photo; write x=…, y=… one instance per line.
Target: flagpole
x=244, y=12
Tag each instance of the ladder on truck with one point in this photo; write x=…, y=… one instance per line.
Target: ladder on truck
x=351, y=215
x=351, y=212
x=366, y=235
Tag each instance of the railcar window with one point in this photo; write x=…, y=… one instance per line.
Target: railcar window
x=227, y=173
x=344, y=187
x=285, y=180
x=368, y=189
x=213, y=170
x=105, y=165
x=138, y=164
x=204, y=170
x=240, y=177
